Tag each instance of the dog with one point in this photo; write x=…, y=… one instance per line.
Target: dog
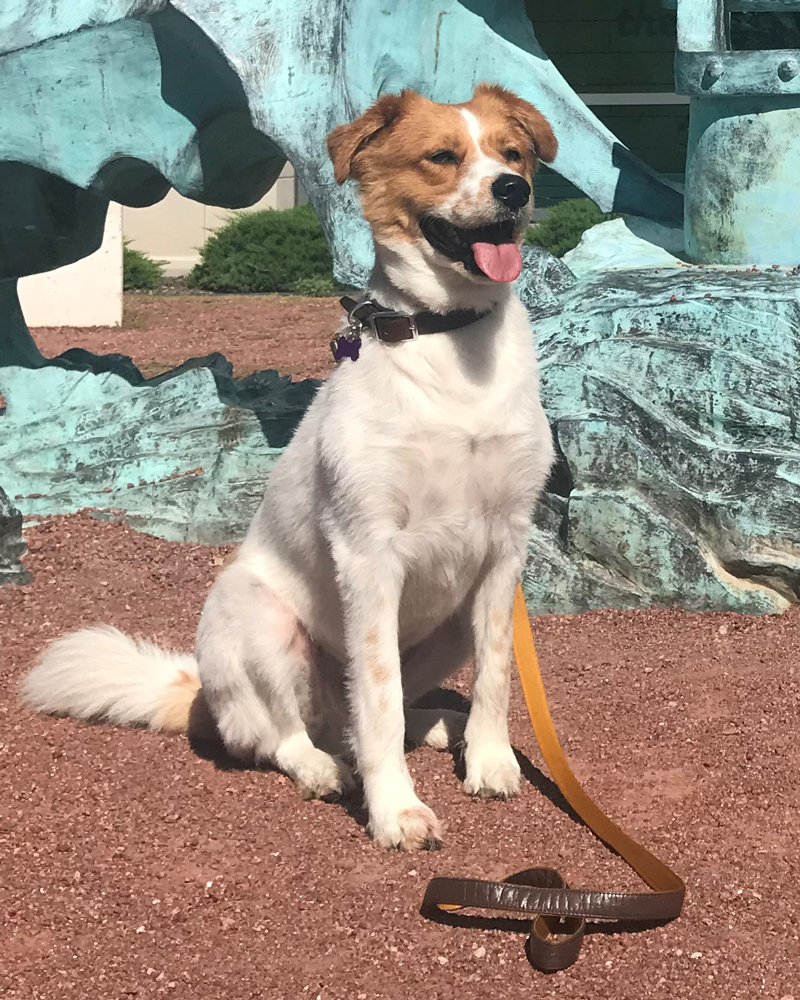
x=386, y=550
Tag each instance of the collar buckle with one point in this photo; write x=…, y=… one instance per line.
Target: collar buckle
x=387, y=325
x=392, y=327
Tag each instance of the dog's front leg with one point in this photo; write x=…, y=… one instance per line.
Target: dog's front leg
x=371, y=586
x=492, y=768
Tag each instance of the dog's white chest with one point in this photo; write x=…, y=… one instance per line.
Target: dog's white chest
x=461, y=494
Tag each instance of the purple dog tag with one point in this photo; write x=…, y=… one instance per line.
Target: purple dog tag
x=346, y=347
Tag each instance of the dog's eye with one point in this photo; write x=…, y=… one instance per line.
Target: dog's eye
x=512, y=155
x=443, y=156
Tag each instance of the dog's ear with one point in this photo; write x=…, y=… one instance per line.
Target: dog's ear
x=346, y=141
x=544, y=142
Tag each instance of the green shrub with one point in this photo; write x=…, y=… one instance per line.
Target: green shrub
x=565, y=223
x=140, y=272
x=317, y=287
x=267, y=251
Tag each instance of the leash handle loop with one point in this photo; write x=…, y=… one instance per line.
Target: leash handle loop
x=559, y=913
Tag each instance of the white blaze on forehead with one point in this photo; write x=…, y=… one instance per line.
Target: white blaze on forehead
x=481, y=167
x=473, y=127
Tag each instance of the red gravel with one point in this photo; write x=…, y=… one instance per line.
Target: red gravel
x=289, y=333
x=131, y=866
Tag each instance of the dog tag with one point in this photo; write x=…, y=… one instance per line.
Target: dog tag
x=346, y=347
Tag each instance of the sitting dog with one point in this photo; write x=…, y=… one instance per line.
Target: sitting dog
x=392, y=532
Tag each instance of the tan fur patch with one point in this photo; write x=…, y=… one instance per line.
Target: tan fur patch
x=378, y=671
x=177, y=707
x=397, y=136
x=498, y=624
x=499, y=645
x=498, y=618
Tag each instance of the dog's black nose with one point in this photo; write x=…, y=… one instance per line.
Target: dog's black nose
x=511, y=190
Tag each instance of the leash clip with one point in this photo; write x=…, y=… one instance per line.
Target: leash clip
x=354, y=321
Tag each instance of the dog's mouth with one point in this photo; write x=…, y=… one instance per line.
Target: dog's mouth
x=490, y=250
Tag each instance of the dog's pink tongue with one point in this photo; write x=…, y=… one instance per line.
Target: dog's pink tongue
x=498, y=261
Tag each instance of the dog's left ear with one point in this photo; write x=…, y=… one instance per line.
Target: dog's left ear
x=346, y=141
x=544, y=142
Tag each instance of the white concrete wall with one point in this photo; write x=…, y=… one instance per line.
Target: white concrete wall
x=89, y=292
x=173, y=230
x=86, y=293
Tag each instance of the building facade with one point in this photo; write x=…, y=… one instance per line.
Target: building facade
x=173, y=230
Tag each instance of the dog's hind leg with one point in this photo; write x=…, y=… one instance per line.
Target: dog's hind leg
x=440, y=728
x=442, y=654
x=256, y=669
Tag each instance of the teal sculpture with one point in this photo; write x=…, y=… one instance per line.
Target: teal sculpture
x=743, y=162
x=673, y=394
x=668, y=361
x=134, y=97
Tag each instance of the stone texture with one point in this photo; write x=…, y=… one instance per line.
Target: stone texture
x=184, y=455
x=673, y=396
x=675, y=402
x=12, y=546
x=672, y=391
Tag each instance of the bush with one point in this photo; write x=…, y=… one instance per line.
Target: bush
x=565, y=223
x=267, y=251
x=140, y=272
x=317, y=287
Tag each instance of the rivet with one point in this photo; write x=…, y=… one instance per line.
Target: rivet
x=788, y=70
x=714, y=69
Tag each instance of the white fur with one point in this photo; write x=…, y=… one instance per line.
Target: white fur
x=102, y=673
x=383, y=557
x=468, y=202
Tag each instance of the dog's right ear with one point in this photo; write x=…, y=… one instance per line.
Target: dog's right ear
x=346, y=141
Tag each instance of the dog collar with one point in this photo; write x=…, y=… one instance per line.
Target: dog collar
x=392, y=327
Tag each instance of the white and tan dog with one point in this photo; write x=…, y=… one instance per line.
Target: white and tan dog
x=392, y=532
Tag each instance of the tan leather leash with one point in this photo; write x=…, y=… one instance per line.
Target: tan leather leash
x=560, y=913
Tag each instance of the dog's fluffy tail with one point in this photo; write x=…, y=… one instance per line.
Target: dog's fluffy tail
x=103, y=675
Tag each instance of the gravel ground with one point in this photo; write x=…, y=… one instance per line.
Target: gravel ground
x=134, y=865
x=252, y=331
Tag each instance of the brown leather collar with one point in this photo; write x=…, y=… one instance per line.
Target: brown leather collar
x=393, y=327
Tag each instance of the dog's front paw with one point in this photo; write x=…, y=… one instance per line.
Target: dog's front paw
x=492, y=772
x=322, y=776
x=413, y=829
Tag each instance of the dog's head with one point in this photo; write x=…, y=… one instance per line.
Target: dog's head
x=447, y=184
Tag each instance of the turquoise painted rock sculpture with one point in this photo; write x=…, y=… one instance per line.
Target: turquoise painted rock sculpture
x=675, y=404
x=743, y=156
x=671, y=389
x=135, y=96
x=184, y=455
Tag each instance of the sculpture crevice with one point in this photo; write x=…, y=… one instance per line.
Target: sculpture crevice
x=783, y=580
x=12, y=546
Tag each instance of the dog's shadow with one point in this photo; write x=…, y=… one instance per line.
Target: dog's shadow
x=206, y=744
